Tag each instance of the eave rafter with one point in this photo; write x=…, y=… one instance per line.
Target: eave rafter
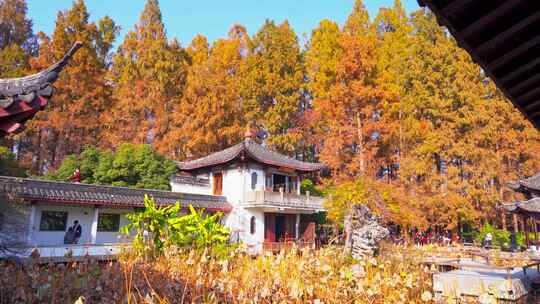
x=21, y=98
x=503, y=37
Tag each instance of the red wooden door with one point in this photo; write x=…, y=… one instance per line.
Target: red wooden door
x=218, y=183
x=309, y=232
x=269, y=227
x=290, y=227
x=307, y=228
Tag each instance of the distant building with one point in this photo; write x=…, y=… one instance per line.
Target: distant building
x=263, y=188
x=257, y=189
x=526, y=211
x=37, y=213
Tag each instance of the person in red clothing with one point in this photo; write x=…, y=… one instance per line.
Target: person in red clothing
x=76, y=177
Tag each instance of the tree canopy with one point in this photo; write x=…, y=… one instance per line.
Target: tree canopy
x=134, y=166
x=402, y=116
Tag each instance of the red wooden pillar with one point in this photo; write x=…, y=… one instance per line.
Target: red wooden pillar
x=535, y=229
x=515, y=220
x=269, y=227
x=503, y=214
x=526, y=230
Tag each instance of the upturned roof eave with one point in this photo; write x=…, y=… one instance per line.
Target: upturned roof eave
x=244, y=148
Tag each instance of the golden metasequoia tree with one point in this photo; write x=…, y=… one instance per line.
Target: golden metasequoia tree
x=17, y=45
x=403, y=117
x=74, y=116
x=209, y=116
x=272, y=89
x=322, y=58
x=149, y=74
x=347, y=119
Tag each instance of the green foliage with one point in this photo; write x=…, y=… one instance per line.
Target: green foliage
x=165, y=228
x=198, y=229
x=135, y=166
x=9, y=165
x=344, y=196
x=501, y=238
x=151, y=226
x=308, y=185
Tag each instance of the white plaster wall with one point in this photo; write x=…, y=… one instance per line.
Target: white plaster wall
x=114, y=237
x=85, y=216
x=188, y=188
x=16, y=217
x=236, y=182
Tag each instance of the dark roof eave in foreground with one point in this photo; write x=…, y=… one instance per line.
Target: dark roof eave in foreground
x=252, y=150
x=501, y=37
x=98, y=195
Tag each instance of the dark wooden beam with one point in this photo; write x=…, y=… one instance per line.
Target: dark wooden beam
x=530, y=107
x=454, y=6
x=513, y=53
x=522, y=99
x=535, y=114
x=523, y=69
x=508, y=33
x=522, y=85
x=488, y=18
x=519, y=71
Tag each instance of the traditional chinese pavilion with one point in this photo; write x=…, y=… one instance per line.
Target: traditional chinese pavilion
x=21, y=98
x=263, y=187
x=527, y=210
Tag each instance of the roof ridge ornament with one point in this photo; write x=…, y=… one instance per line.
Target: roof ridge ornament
x=249, y=134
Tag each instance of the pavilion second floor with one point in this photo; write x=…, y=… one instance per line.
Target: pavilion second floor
x=272, y=201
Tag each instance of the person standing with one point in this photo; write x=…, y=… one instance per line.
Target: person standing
x=487, y=240
x=76, y=177
x=77, y=232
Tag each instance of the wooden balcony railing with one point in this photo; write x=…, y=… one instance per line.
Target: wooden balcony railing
x=283, y=200
x=286, y=246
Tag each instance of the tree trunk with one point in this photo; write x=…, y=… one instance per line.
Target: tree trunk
x=361, y=144
x=503, y=219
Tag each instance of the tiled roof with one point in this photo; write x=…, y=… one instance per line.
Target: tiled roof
x=532, y=182
x=21, y=98
x=85, y=194
x=252, y=150
x=530, y=206
x=190, y=180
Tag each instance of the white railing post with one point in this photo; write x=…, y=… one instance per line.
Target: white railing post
x=308, y=195
x=93, y=231
x=281, y=194
x=297, y=226
x=31, y=220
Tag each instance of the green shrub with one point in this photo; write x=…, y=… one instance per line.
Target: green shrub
x=501, y=238
x=158, y=228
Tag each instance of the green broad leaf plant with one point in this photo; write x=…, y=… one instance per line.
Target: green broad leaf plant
x=158, y=228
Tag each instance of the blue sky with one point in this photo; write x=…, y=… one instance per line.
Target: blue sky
x=212, y=18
